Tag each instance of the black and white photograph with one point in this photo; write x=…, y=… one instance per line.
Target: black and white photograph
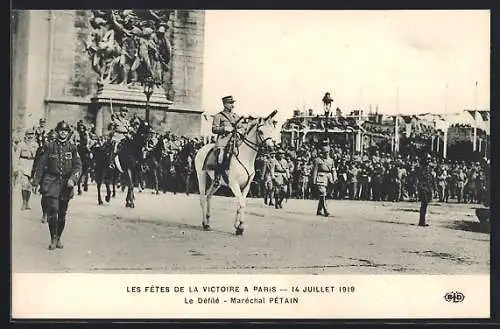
x=250, y=142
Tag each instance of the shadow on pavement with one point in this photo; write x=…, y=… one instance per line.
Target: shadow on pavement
x=166, y=224
x=469, y=226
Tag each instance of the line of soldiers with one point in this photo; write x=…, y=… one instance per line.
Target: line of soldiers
x=383, y=178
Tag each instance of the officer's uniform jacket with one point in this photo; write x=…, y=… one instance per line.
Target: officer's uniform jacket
x=304, y=172
x=222, y=122
x=324, y=172
x=121, y=127
x=425, y=183
x=40, y=135
x=59, y=163
x=266, y=171
x=279, y=171
x=442, y=177
x=461, y=179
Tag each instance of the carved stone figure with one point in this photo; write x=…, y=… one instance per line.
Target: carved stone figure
x=128, y=46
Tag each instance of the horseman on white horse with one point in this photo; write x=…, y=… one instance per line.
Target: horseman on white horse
x=246, y=136
x=224, y=125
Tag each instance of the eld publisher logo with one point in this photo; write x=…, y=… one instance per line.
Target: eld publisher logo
x=454, y=297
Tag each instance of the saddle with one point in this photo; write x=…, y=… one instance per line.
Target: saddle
x=211, y=159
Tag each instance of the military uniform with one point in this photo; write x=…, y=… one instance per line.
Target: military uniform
x=57, y=172
x=267, y=180
x=324, y=173
x=425, y=189
x=304, y=172
x=50, y=138
x=280, y=176
x=40, y=133
x=25, y=158
x=223, y=125
x=121, y=129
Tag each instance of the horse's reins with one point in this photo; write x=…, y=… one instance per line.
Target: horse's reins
x=254, y=146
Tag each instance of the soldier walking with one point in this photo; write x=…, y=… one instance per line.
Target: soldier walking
x=267, y=179
x=324, y=173
x=57, y=172
x=281, y=177
x=26, y=158
x=51, y=136
x=425, y=188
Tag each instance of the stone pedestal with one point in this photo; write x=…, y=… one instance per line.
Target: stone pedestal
x=111, y=98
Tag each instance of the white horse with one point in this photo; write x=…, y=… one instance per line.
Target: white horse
x=259, y=132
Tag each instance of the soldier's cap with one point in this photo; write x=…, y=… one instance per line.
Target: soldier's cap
x=29, y=132
x=124, y=109
x=228, y=99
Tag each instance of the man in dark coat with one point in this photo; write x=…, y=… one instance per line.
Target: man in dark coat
x=57, y=172
x=425, y=188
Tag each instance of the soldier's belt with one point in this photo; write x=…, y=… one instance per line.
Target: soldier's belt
x=323, y=171
x=27, y=158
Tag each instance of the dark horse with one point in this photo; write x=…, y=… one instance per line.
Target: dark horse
x=185, y=166
x=154, y=159
x=86, y=158
x=104, y=170
x=129, y=159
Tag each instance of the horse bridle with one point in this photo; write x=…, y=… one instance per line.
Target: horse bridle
x=254, y=146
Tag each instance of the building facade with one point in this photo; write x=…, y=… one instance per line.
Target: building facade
x=52, y=75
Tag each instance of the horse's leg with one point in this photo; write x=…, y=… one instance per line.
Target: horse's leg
x=205, y=197
x=130, y=192
x=113, y=181
x=241, y=198
x=79, y=185
x=86, y=180
x=109, y=180
x=99, y=199
x=202, y=176
x=155, y=177
x=187, y=178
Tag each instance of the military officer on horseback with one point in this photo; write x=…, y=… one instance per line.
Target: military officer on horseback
x=224, y=125
x=26, y=157
x=57, y=172
x=324, y=174
x=121, y=129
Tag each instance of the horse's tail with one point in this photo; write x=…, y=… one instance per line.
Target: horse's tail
x=201, y=172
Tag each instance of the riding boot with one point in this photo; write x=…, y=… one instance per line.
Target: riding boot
x=23, y=195
x=53, y=231
x=423, y=211
x=282, y=197
x=276, y=201
x=60, y=228
x=319, y=210
x=44, y=212
x=271, y=198
x=28, y=194
x=325, y=209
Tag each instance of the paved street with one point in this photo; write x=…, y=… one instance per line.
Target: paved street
x=163, y=235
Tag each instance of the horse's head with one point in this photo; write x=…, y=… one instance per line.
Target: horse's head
x=260, y=131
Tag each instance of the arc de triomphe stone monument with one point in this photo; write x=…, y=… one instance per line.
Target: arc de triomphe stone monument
x=86, y=64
